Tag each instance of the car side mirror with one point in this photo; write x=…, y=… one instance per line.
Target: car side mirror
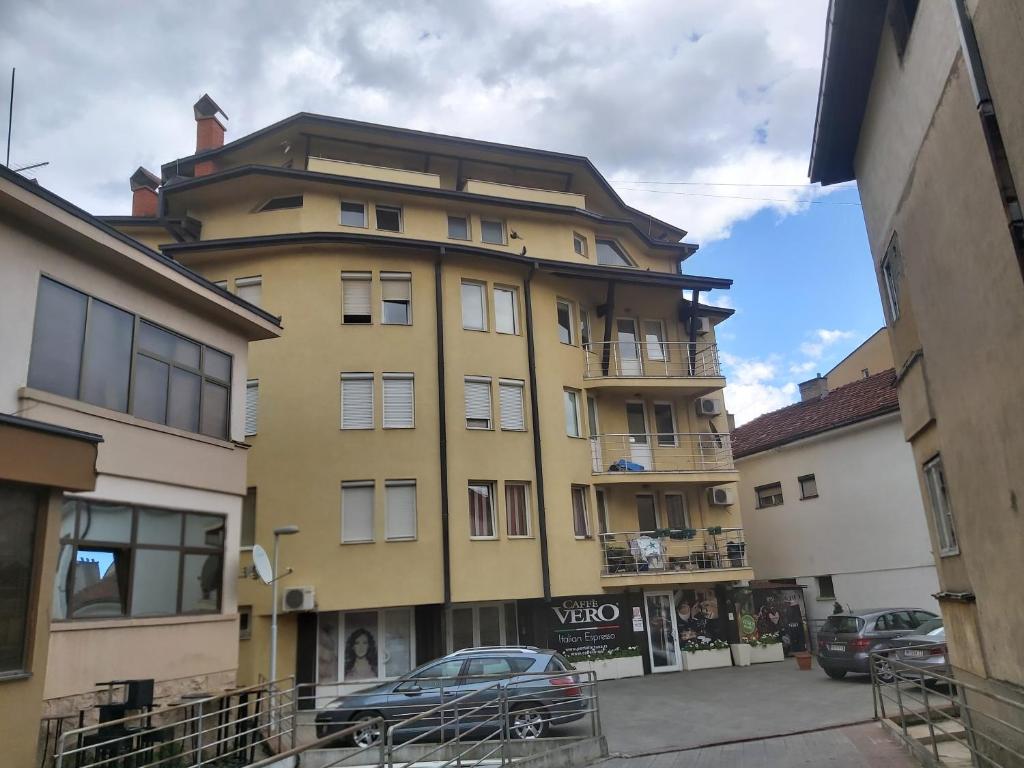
x=411, y=688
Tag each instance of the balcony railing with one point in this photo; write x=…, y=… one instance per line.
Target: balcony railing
x=667, y=550
x=661, y=452
x=651, y=359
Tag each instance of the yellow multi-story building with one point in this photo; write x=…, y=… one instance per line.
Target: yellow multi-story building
x=495, y=418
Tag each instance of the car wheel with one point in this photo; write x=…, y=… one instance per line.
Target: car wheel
x=369, y=733
x=835, y=674
x=529, y=721
x=883, y=669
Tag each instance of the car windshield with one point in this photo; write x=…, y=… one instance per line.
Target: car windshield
x=930, y=627
x=843, y=624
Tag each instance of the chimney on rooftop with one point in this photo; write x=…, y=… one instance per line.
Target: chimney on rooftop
x=209, y=131
x=813, y=389
x=144, y=197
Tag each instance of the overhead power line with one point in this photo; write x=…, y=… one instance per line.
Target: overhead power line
x=712, y=183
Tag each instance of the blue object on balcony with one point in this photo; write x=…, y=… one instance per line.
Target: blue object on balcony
x=624, y=465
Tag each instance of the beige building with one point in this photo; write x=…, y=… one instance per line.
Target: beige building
x=830, y=496
x=921, y=104
x=491, y=385
x=122, y=383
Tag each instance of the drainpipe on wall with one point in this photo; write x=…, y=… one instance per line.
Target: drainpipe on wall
x=538, y=458
x=442, y=423
x=990, y=128
x=694, y=300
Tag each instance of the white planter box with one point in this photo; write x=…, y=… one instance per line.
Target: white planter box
x=761, y=654
x=707, y=659
x=740, y=654
x=613, y=669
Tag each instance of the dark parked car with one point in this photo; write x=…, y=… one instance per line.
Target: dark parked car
x=846, y=640
x=537, y=701
x=925, y=649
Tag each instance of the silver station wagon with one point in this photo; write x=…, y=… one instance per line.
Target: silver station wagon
x=846, y=640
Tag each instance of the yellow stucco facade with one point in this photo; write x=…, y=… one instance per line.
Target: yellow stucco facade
x=550, y=211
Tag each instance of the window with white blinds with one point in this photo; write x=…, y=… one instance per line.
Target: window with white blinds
x=250, y=289
x=355, y=298
x=401, y=509
x=252, y=405
x=478, y=402
x=510, y=398
x=357, y=401
x=399, y=406
x=357, y=511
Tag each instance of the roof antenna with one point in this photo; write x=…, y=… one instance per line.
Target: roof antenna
x=10, y=118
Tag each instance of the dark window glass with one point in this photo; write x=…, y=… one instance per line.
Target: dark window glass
x=564, y=323
x=214, y=418
x=492, y=231
x=610, y=254
x=665, y=424
x=808, y=487
x=168, y=345
x=282, y=203
x=389, y=219
x=769, y=495
x=200, y=583
x=149, y=400
x=825, y=588
x=17, y=548
x=843, y=624
x=248, y=537
x=106, y=366
x=98, y=586
x=106, y=522
x=353, y=214
x=57, y=338
x=204, y=531
x=183, y=406
x=244, y=622
x=158, y=526
x=458, y=228
x=155, y=582
x=216, y=364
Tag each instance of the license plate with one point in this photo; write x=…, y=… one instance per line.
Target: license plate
x=837, y=646
x=914, y=654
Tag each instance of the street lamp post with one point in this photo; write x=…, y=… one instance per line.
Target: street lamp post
x=286, y=530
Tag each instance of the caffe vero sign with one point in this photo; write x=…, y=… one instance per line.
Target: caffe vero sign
x=586, y=625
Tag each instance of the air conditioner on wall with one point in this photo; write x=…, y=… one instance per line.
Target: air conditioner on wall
x=721, y=496
x=703, y=325
x=298, y=599
x=707, y=406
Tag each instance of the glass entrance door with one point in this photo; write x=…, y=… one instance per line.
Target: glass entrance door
x=628, y=347
x=661, y=629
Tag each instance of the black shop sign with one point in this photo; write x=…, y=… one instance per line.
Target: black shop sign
x=589, y=625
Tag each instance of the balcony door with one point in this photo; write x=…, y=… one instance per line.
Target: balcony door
x=646, y=512
x=628, y=347
x=661, y=627
x=639, y=441
x=595, y=432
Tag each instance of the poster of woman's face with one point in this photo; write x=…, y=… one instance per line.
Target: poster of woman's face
x=360, y=646
x=697, y=613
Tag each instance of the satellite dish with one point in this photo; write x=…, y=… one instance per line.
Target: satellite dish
x=261, y=563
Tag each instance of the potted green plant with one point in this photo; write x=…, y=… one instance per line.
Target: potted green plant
x=611, y=664
x=705, y=653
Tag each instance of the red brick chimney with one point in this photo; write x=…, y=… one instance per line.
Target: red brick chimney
x=209, y=132
x=144, y=198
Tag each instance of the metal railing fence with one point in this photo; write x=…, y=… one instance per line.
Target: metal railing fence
x=986, y=728
x=651, y=359
x=661, y=452
x=633, y=552
x=210, y=730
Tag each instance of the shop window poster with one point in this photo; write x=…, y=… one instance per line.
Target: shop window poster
x=697, y=614
x=360, y=646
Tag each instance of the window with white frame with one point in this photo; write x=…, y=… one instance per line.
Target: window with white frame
x=492, y=231
x=942, y=512
x=221, y=284
x=510, y=398
x=474, y=306
x=357, y=401
x=654, y=340
x=250, y=289
x=252, y=406
x=401, y=509
x=564, y=313
x=572, y=412
x=458, y=227
x=357, y=511
x=665, y=424
x=675, y=511
x=389, y=218
x=769, y=495
x=892, y=271
x=478, y=402
x=585, y=337
x=355, y=298
x=579, y=244
x=611, y=254
x=808, y=487
x=580, y=515
x=396, y=298
x=506, y=309
x=481, y=510
x=353, y=214
x=517, y=509
x=399, y=401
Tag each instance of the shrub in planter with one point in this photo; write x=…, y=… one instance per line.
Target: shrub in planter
x=767, y=647
x=610, y=665
x=705, y=653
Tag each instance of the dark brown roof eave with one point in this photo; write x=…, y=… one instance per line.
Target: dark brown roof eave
x=813, y=432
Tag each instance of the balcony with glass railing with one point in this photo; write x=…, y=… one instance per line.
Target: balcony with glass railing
x=683, y=554
x=635, y=457
x=626, y=363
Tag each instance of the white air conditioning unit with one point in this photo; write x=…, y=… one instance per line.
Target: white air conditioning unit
x=721, y=496
x=708, y=406
x=703, y=325
x=298, y=599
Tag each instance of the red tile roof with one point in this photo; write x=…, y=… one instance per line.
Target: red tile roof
x=863, y=399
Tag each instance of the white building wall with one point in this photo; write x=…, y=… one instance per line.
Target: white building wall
x=866, y=529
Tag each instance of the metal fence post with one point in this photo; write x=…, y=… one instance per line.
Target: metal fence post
x=458, y=734
x=928, y=717
x=595, y=713
x=876, y=694
x=199, y=734
x=899, y=703
x=503, y=713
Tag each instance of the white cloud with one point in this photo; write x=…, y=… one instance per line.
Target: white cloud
x=822, y=340
x=754, y=387
x=799, y=369
x=721, y=300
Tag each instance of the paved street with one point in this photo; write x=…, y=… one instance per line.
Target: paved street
x=660, y=721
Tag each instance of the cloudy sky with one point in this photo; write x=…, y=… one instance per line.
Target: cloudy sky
x=717, y=94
